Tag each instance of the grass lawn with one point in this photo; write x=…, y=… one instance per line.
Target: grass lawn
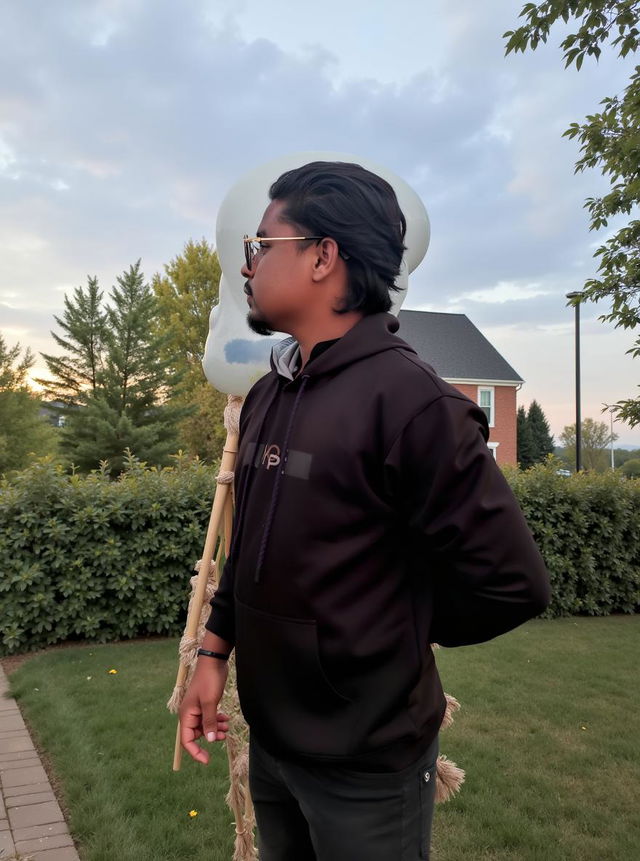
x=548, y=733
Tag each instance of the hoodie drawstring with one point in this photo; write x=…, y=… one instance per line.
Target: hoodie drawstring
x=243, y=493
x=276, y=486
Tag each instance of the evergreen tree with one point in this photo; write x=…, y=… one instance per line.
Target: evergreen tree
x=12, y=376
x=136, y=377
x=23, y=431
x=525, y=442
x=118, y=380
x=76, y=372
x=540, y=432
x=99, y=431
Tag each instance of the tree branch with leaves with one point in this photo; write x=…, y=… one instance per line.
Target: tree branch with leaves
x=609, y=141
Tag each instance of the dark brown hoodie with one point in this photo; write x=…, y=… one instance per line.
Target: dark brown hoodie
x=371, y=520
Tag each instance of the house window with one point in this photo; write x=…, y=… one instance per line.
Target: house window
x=486, y=400
x=493, y=447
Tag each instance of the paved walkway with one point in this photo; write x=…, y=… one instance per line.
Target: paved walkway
x=31, y=821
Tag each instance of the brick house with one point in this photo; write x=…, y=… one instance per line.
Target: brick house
x=462, y=356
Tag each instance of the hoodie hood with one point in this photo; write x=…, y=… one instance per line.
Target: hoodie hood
x=372, y=334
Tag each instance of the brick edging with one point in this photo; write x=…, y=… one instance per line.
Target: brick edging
x=31, y=821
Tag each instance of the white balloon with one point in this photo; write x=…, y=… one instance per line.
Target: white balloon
x=236, y=356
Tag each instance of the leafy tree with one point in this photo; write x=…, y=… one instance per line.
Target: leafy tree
x=596, y=437
x=609, y=141
x=23, y=432
x=525, y=441
x=540, y=432
x=83, y=326
x=632, y=468
x=185, y=294
x=203, y=432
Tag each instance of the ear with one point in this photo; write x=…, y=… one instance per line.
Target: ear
x=325, y=259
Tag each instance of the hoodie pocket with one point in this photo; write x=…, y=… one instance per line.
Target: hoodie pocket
x=283, y=689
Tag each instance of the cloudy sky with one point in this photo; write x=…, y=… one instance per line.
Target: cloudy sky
x=124, y=122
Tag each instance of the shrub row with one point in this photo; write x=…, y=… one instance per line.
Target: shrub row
x=587, y=527
x=84, y=557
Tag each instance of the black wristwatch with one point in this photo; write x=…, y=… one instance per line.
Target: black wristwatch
x=211, y=654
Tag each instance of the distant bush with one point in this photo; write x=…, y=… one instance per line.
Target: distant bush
x=631, y=468
x=84, y=557
x=90, y=558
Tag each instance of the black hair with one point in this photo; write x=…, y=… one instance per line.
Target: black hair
x=360, y=211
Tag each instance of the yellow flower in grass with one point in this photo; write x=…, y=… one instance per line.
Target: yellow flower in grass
x=193, y=813
x=112, y=671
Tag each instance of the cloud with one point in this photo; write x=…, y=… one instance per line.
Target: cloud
x=161, y=116
x=124, y=123
x=504, y=291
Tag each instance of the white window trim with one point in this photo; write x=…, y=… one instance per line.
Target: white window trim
x=492, y=391
x=493, y=446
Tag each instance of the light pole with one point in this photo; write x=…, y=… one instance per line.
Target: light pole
x=577, y=295
x=611, y=411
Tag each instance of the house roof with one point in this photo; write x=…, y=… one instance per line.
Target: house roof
x=455, y=348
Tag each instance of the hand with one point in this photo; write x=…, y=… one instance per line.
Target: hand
x=199, y=715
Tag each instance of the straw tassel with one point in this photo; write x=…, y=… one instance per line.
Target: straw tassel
x=449, y=779
x=449, y=776
x=238, y=797
x=452, y=706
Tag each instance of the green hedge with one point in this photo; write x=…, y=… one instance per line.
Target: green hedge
x=587, y=527
x=94, y=559
x=84, y=557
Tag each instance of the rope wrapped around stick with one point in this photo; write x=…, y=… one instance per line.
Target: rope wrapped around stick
x=203, y=587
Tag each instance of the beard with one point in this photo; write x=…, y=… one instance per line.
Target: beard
x=258, y=323
x=259, y=326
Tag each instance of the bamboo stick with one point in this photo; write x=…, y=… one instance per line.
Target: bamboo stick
x=218, y=520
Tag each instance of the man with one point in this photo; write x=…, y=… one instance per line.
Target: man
x=371, y=521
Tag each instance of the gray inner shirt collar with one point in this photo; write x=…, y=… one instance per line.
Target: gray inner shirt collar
x=286, y=357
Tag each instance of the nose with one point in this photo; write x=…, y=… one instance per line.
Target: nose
x=247, y=271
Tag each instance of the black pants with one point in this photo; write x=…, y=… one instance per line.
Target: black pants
x=328, y=813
